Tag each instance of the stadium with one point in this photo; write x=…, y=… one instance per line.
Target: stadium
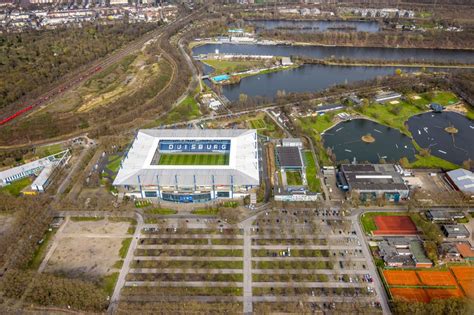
x=189, y=165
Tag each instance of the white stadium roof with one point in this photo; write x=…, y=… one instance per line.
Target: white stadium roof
x=242, y=168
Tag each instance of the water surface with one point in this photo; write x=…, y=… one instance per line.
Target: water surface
x=345, y=141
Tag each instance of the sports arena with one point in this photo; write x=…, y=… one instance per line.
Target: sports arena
x=190, y=165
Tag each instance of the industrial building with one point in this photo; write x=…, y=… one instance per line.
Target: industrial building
x=455, y=231
x=189, y=165
x=462, y=180
x=42, y=168
x=373, y=181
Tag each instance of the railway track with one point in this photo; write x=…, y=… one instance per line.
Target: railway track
x=82, y=74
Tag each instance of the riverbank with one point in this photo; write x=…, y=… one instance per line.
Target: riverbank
x=235, y=77
x=379, y=63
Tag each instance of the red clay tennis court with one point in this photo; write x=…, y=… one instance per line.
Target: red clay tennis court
x=437, y=278
x=463, y=273
x=444, y=293
x=401, y=277
x=394, y=225
x=468, y=288
x=410, y=294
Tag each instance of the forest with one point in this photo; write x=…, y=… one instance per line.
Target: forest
x=32, y=60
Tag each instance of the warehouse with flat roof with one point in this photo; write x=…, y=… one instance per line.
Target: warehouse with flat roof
x=373, y=181
x=190, y=165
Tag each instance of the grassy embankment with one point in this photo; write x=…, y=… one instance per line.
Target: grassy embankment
x=233, y=66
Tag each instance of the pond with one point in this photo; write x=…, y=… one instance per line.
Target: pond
x=315, y=26
x=448, y=135
x=345, y=141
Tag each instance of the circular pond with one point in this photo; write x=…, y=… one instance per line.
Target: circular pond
x=366, y=140
x=448, y=135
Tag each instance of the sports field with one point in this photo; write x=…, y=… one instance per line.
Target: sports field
x=401, y=277
x=425, y=285
x=194, y=159
x=394, y=225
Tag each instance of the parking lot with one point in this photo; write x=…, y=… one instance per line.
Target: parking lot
x=310, y=261
x=302, y=260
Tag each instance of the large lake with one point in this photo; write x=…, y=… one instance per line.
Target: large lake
x=345, y=141
x=358, y=53
x=307, y=78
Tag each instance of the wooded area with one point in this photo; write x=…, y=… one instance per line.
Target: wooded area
x=32, y=60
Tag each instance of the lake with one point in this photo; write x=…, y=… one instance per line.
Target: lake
x=357, y=53
x=307, y=78
x=428, y=130
x=345, y=141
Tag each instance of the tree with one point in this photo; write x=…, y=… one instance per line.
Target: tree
x=468, y=164
x=404, y=162
x=243, y=98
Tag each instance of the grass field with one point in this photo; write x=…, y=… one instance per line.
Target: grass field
x=225, y=66
x=114, y=163
x=392, y=115
x=314, y=182
x=186, y=110
x=17, y=186
x=293, y=178
x=194, y=159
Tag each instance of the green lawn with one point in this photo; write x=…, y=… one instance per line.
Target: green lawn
x=40, y=251
x=188, y=109
x=17, y=186
x=114, y=163
x=49, y=150
x=293, y=178
x=432, y=162
x=368, y=219
x=206, y=211
x=124, y=249
x=161, y=211
x=194, y=159
x=228, y=66
x=109, y=281
x=264, y=125
x=82, y=219
x=393, y=115
x=258, y=124
x=441, y=97
x=318, y=123
x=314, y=183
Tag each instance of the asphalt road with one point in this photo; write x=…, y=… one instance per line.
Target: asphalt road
x=379, y=288
x=126, y=265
